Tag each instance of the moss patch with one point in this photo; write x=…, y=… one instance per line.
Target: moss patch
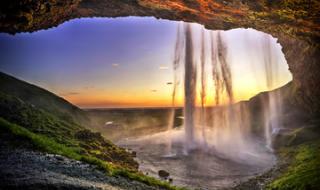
x=304, y=170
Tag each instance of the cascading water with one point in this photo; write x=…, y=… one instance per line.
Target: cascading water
x=190, y=80
x=223, y=126
x=230, y=122
x=273, y=104
x=215, y=146
x=203, y=92
x=176, y=64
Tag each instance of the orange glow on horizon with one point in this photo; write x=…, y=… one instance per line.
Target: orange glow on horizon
x=98, y=99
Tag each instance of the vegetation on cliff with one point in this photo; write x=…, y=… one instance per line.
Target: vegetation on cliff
x=303, y=171
x=54, y=133
x=300, y=151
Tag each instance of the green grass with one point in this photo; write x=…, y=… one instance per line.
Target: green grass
x=43, y=99
x=48, y=145
x=40, y=141
x=50, y=124
x=146, y=179
x=304, y=170
x=47, y=124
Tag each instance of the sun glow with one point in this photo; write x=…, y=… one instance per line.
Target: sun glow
x=121, y=64
x=248, y=77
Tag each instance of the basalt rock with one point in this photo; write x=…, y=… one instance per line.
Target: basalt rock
x=296, y=23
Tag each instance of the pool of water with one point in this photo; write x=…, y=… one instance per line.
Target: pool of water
x=199, y=168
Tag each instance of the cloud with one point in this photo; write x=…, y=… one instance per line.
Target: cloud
x=153, y=90
x=115, y=64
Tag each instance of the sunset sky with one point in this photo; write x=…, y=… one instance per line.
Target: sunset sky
x=123, y=62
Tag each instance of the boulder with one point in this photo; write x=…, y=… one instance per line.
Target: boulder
x=163, y=174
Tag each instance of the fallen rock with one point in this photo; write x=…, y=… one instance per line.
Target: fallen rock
x=163, y=174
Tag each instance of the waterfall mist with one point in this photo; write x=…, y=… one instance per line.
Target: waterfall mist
x=175, y=64
x=224, y=125
x=221, y=139
x=273, y=105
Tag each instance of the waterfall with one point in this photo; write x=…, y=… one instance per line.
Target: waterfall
x=189, y=90
x=178, y=53
x=224, y=66
x=203, y=88
x=272, y=106
x=224, y=125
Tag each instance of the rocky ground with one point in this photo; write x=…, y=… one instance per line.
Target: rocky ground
x=260, y=182
x=25, y=169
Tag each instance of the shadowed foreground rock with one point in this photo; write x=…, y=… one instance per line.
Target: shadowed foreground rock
x=25, y=169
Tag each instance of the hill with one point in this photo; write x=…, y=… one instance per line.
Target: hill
x=42, y=112
x=35, y=119
x=41, y=98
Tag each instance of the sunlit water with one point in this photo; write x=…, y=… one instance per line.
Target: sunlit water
x=205, y=169
x=214, y=148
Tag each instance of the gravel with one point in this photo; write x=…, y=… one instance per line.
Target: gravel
x=27, y=169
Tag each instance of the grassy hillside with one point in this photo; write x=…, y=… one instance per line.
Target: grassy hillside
x=42, y=99
x=22, y=135
x=35, y=116
x=53, y=117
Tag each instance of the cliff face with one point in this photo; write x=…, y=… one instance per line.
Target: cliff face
x=296, y=23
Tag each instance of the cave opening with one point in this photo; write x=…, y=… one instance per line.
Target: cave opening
x=141, y=67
